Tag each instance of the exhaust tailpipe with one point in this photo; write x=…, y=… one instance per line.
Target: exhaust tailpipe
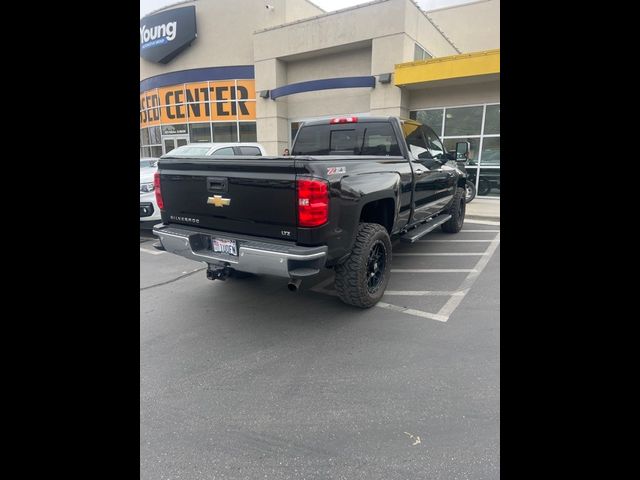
x=294, y=284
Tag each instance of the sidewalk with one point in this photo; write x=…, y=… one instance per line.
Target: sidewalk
x=484, y=209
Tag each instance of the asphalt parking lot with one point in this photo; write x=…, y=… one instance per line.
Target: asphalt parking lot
x=244, y=379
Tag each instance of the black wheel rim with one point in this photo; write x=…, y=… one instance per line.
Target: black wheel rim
x=376, y=264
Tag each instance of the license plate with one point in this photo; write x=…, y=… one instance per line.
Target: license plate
x=221, y=245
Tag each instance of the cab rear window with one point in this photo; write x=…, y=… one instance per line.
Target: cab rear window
x=367, y=138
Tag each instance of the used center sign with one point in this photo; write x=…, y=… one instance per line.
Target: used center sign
x=166, y=34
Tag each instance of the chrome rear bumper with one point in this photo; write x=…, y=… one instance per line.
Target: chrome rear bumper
x=255, y=254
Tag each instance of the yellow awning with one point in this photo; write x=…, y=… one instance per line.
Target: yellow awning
x=446, y=68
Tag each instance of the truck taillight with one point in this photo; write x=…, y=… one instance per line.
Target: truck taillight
x=313, y=202
x=344, y=120
x=157, y=190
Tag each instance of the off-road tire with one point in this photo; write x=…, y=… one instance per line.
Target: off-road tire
x=456, y=210
x=355, y=276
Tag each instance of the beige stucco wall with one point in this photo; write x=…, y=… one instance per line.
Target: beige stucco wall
x=341, y=64
x=296, y=9
x=456, y=95
x=471, y=27
x=420, y=29
x=225, y=32
x=351, y=25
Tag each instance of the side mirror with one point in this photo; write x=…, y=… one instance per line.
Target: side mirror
x=462, y=151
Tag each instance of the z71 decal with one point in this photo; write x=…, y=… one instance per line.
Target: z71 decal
x=335, y=170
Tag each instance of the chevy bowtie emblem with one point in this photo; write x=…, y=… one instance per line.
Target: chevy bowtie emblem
x=218, y=201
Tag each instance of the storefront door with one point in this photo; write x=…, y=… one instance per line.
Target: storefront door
x=174, y=141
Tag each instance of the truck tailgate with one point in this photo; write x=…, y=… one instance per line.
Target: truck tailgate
x=250, y=195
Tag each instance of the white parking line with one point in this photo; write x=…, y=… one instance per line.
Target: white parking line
x=448, y=308
x=411, y=311
x=450, y=254
x=425, y=293
x=455, y=241
x=478, y=231
x=431, y=270
x=481, y=222
x=150, y=252
x=455, y=297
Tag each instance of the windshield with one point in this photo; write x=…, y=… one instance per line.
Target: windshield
x=148, y=162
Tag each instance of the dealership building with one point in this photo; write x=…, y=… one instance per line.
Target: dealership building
x=253, y=70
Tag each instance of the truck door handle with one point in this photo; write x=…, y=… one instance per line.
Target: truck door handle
x=419, y=171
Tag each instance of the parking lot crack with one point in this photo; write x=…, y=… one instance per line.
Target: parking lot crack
x=173, y=279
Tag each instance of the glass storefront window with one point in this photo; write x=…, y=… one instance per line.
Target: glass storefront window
x=199, y=132
x=156, y=151
x=465, y=124
x=490, y=152
x=248, y=132
x=294, y=130
x=489, y=182
x=420, y=53
x=154, y=135
x=144, y=136
x=463, y=121
x=472, y=173
x=492, y=120
x=431, y=118
x=145, y=152
x=225, y=132
x=450, y=145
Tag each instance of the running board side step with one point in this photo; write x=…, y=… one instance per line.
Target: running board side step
x=419, y=232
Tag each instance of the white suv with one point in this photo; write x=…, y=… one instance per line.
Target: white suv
x=202, y=149
x=149, y=211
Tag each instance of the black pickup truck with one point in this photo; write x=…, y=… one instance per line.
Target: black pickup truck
x=350, y=185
